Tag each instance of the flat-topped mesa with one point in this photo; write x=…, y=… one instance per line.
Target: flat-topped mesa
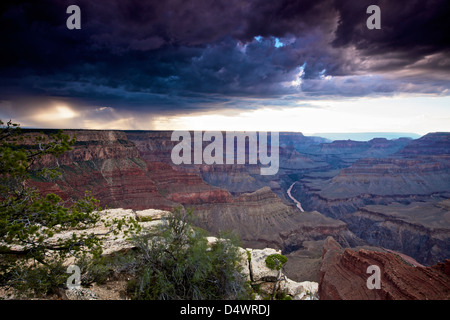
x=344, y=144
x=436, y=143
x=344, y=276
x=89, y=145
x=377, y=147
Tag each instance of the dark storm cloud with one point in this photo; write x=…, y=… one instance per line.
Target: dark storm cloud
x=195, y=54
x=417, y=27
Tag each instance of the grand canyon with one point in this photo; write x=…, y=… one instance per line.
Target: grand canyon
x=347, y=103
x=334, y=207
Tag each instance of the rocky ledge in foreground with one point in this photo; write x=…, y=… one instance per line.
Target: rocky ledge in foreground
x=254, y=268
x=253, y=263
x=343, y=276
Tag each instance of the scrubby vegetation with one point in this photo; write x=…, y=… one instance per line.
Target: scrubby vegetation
x=31, y=260
x=276, y=262
x=177, y=262
x=171, y=261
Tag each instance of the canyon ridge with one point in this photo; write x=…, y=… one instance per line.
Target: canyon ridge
x=383, y=202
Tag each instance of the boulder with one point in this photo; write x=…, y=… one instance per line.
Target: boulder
x=150, y=214
x=80, y=294
x=306, y=290
x=115, y=242
x=258, y=269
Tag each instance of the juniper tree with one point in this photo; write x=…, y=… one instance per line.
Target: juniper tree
x=29, y=220
x=276, y=262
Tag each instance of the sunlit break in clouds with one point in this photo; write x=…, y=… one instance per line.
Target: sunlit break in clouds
x=307, y=66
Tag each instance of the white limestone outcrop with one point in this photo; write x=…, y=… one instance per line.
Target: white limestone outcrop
x=253, y=260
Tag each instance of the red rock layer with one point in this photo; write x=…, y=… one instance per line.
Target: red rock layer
x=184, y=187
x=111, y=167
x=106, y=164
x=343, y=276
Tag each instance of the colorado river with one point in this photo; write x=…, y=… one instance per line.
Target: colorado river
x=299, y=205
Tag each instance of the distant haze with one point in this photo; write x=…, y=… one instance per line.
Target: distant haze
x=366, y=136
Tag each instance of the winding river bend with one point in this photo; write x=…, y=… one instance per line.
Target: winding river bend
x=299, y=205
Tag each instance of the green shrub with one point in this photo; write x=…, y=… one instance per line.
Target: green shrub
x=178, y=263
x=39, y=280
x=275, y=261
x=30, y=260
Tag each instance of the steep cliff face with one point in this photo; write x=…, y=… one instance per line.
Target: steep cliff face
x=156, y=146
x=153, y=146
x=343, y=276
x=397, y=202
x=242, y=200
x=109, y=166
x=419, y=229
x=262, y=219
x=184, y=187
x=393, y=201
x=130, y=174
x=389, y=177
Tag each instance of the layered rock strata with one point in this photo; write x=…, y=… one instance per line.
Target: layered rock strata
x=344, y=276
x=261, y=219
x=392, y=201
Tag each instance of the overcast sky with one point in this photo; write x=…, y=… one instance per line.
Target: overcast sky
x=267, y=65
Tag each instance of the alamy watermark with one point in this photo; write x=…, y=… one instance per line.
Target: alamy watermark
x=74, y=20
x=374, y=21
x=374, y=281
x=73, y=281
x=213, y=153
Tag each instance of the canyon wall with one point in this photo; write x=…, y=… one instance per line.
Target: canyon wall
x=395, y=201
x=391, y=194
x=344, y=276
x=133, y=170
